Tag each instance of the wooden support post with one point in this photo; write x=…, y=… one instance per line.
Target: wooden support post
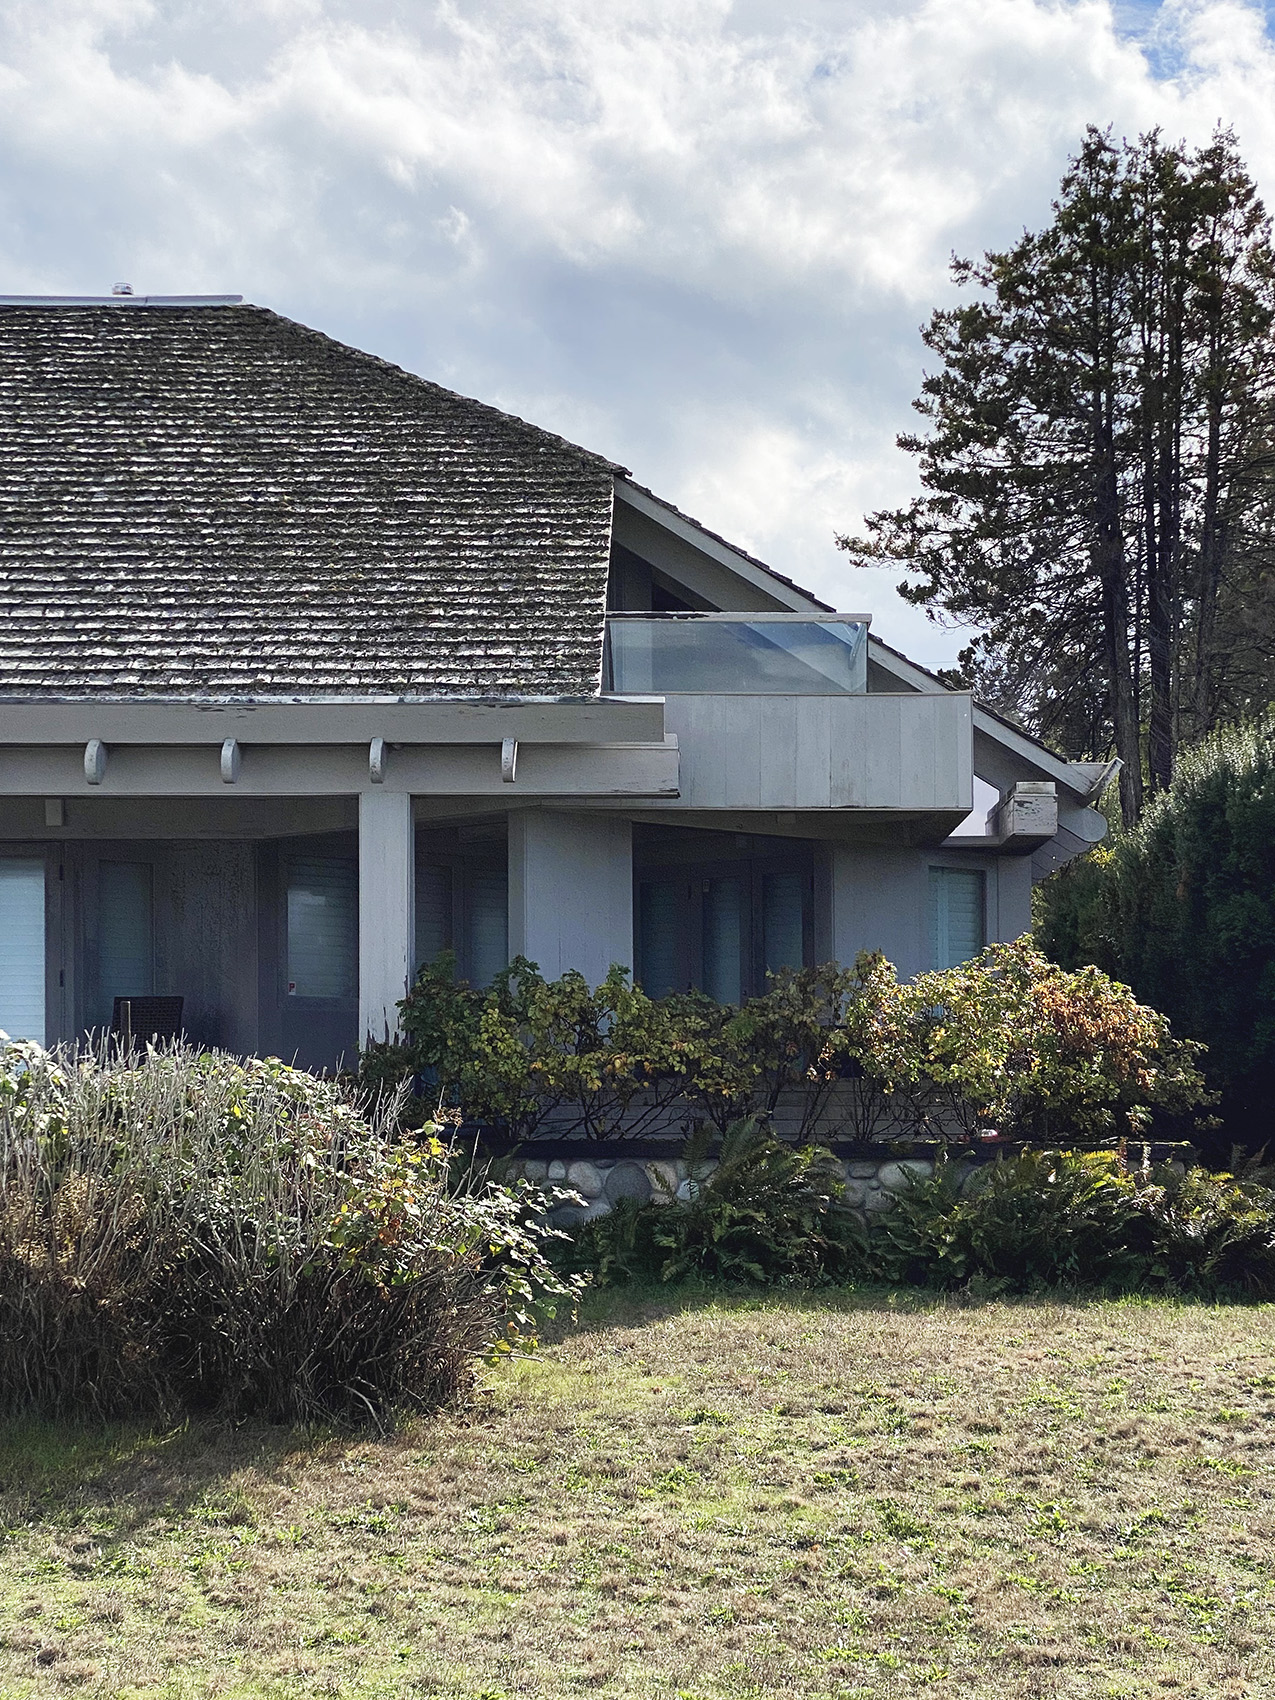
x=387, y=920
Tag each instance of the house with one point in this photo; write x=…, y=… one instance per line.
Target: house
x=310, y=669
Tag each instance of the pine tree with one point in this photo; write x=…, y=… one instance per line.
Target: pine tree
x=1098, y=468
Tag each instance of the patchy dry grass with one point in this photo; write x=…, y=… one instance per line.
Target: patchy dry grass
x=699, y=1498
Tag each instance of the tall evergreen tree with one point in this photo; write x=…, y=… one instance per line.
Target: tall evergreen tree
x=1098, y=472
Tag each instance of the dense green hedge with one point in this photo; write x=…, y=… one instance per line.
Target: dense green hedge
x=1183, y=910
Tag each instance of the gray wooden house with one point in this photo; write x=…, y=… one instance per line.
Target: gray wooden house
x=310, y=669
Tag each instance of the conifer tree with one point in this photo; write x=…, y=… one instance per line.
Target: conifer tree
x=1098, y=470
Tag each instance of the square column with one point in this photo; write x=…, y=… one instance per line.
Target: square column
x=387, y=904
x=571, y=891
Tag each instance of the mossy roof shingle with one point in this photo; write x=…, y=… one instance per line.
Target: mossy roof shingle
x=216, y=502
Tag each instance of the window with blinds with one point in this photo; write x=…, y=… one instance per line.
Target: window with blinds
x=659, y=916
x=433, y=912
x=724, y=918
x=486, y=927
x=783, y=921
x=721, y=927
x=958, y=929
x=22, y=948
x=125, y=943
x=323, y=927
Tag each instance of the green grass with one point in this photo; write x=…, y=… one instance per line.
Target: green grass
x=695, y=1498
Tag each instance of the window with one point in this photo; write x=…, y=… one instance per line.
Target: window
x=486, y=927
x=433, y=912
x=724, y=948
x=783, y=921
x=22, y=948
x=957, y=926
x=125, y=952
x=465, y=908
x=323, y=927
x=722, y=926
x=659, y=928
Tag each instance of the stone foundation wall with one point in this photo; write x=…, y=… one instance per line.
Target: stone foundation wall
x=872, y=1183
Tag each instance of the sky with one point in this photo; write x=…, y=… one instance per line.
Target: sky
x=697, y=236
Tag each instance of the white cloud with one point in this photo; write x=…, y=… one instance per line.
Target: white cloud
x=697, y=235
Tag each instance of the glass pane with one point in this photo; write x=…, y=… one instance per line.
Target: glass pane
x=723, y=939
x=124, y=947
x=433, y=912
x=323, y=927
x=659, y=923
x=488, y=928
x=737, y=657
x=782, y=915
x=957, y=930
x=22, y=949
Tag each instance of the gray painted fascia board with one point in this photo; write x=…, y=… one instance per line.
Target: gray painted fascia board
x=598, y=721
x=752, y=572
x=1078, y=777
x=313, y=770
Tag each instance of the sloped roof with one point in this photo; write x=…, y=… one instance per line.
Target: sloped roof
x=217, y=502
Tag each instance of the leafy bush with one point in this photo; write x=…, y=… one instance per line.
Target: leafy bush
x=520, y=1052
x=183, y=1229
x=1050, y=1218
x=1210, y=1233
x=769, y=1212
x=1008, y=1042
x=1011, y=1041
x=1183, y=909
x=1040, y=1219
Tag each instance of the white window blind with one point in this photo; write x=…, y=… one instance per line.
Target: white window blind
x=488, y=927
x=323, y=927
x=124, y=940
x=22, y=948
x=957, y=926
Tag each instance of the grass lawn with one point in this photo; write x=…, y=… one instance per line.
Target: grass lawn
x=697, y=1496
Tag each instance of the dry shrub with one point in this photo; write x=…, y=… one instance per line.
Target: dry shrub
x=181, y=1229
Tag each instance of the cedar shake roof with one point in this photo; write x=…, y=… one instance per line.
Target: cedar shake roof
x=217, y=502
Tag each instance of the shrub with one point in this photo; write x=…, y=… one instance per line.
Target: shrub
x=1051, y=1218
x=768, y=1212
x=1008, y=1042
x=527, y=1048
x=1183, y=909
x=1210, y=1233
x=1040, y=1219
x=183, y=1229
x=1012, y=1042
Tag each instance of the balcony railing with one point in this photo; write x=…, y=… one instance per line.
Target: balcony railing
x=736, y=654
